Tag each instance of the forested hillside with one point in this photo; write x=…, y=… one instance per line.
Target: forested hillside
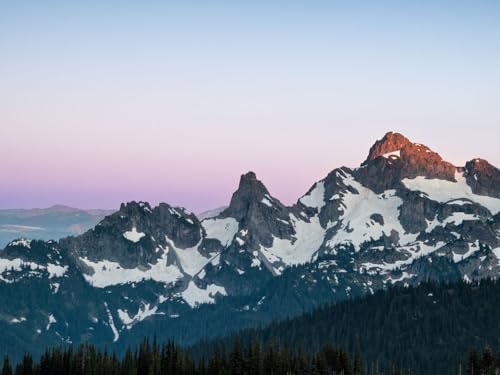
x=169, y=359
x=429, y=328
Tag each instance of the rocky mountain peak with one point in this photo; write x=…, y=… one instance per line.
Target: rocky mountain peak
x=250, y=191
x=394, y=158
x=481, y=166
x=134, y=207
x=263, y=216
x=390, y=143
x=395, y=145
x=250, y=184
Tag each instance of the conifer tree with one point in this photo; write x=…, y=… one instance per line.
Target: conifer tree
x=474, y=366
x=487, y=362
x=358, y=364
x=6, y=368
x=236, y=362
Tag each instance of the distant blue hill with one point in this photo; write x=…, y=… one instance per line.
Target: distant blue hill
x=47, y=223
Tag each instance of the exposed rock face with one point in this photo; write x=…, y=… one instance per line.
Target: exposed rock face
x=391, y=142
x=35, y=251
x=334, y=186
x=404, y=216
x=417, y=211
x=263, y=216
x=394, y=158
x=250, y=191
x=263, y=221
x=137, y=235
x=483, y=178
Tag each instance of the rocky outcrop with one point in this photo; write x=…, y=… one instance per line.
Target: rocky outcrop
x=483, y=178
x=390, y=143
x=394, y=158
x=137, y=235
x=262, y=216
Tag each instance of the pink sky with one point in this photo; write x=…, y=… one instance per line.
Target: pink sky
x=169, y=102
x=87, y=167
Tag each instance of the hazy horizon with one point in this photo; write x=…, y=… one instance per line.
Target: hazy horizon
x=235, y=184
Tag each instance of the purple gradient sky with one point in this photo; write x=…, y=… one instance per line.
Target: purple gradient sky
x=101, y=104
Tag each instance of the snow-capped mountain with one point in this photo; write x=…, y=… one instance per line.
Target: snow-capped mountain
x=405, y=215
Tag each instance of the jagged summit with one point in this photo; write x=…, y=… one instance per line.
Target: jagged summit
x=249, y=184
x=251, y=193
x=250, y=175
x=395, y=145
x=133, y=206
x=394, y=158
x=481, y=166
x=391, y=142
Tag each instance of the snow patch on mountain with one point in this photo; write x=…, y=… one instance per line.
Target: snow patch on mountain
x=16, y=265
x=392, y=154
x=55, y=270
x=108, y=273
x=413, y=251
x=194, y=296
x=52, y=320
x=125, y=318
x=223, y=230
x=145, y=311
x=256, y=262
x=17, y=321
x=133, y=235
x=111, y=322
x=457, y=218
x=316, y=197
x=55, y=287
x=192, y=261
x=405, y=275
x=301, y=248
x=21, y=242
x=497, y=253
x=449, y=192
x=358, y=225
x=266, y=201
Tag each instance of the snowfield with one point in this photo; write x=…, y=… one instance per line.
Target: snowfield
x=107, y=273
x=133, y=235
x=223, y=230
x=447, y=191
x=194, y=296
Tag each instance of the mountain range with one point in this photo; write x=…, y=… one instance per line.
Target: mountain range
x=403, y=216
